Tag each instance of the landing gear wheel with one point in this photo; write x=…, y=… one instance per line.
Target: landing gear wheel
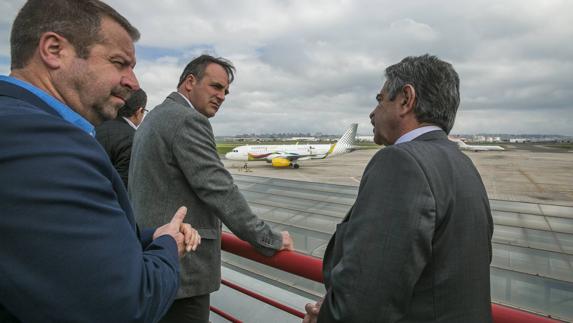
x=295, y=166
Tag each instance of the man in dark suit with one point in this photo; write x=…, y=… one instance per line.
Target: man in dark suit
x=175, y=161
x=71, y=251
x=416, y=245
x=116, y=136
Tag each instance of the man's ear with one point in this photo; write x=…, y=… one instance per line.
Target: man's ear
x=190, y=82
x=53, y=49
x=408, y=98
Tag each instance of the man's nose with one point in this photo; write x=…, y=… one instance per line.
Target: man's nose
x=221, y=96
x=129, y=80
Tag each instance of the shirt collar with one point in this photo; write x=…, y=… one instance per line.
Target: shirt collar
x=413, y=134
x=186, y=99
x=130, y=123
x=63, y=110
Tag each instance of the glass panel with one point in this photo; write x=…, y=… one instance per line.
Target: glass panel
x=511, y=206
x=529, y=221
x=334, y=188
x=536, y=239
x=532, y=265
x=533, y=293
x=557, y=210
x=562, y=225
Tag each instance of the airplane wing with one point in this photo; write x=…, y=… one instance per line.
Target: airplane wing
x=291, y=156
x=259, y=156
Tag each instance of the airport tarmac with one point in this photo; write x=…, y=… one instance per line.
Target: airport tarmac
x=527, y=173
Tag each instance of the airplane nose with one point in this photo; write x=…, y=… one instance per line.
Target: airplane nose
x=228, y=155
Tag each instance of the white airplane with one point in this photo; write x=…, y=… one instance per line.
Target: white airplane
x=463, y=146
x=289, y=155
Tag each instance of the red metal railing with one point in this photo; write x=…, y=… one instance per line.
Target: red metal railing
x=311, y=268
x=264, y=299
x=224, y=315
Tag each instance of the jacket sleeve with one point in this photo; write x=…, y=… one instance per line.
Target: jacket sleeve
x=70, y=252
x=195, y=151
x=122, y=153
x=116, y=137
x=384, y=245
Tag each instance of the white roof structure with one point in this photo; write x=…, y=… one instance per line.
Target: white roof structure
x=532, y=266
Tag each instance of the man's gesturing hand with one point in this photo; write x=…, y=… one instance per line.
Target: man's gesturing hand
x=185, y=236
x=312, y=311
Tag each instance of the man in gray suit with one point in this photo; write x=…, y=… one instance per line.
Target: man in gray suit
x=175, y=162
x=416, y=245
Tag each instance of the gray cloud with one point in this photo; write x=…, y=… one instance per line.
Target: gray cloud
x=316, y=66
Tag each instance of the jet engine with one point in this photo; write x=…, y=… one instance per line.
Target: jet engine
x=280, y=162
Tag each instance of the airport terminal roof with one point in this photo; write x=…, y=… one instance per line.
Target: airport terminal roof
x=532, y=266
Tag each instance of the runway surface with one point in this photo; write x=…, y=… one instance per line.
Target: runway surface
x=528, y=173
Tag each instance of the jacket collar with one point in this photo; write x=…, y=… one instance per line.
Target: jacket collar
x=178, y=97
x=18, y=89
x=432, y=135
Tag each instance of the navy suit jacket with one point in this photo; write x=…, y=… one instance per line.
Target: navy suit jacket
x=70, y=250
x=416, y=245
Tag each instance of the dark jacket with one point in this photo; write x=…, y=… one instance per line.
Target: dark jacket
x=116, y=137
x=70, y=250
x=416, y=245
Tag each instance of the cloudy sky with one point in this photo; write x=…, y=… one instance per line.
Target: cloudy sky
x=316, y=66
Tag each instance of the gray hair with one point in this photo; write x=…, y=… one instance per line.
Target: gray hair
x=437, y=87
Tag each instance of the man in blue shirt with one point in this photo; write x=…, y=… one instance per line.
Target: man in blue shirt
x=71, y=251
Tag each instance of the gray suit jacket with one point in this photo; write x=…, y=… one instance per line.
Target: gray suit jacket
x=175, y=163
x=416, y=245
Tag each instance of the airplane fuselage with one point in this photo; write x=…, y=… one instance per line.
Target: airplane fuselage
x=481, y=148
x=289, y=155
x=269, y=152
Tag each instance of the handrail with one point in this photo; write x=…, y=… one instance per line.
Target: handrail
x=224, y=315
x=311, y=268
x=506, y=314
x=292, y=262
x=282, y=307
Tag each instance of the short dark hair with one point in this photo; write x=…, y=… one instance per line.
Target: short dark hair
x=79, y=21
x=198, y=65
x=437, y=87
x=137, y=100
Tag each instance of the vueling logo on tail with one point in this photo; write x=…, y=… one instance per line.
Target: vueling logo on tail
x=346, y=143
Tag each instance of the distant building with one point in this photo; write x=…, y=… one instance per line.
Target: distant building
x=365, y=138
x=303, y=139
